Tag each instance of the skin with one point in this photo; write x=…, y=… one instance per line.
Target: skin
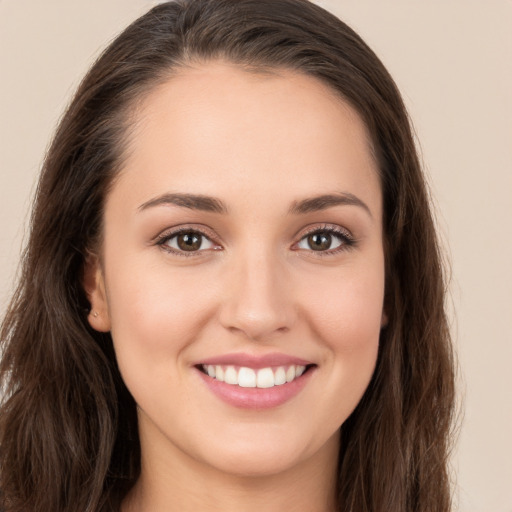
x=260, y=143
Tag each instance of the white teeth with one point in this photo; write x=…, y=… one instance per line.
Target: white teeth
x=247, y=378
x=219, y=373
x=230, y=375
x=280, y=376
x=250, y=378
x=265, y=378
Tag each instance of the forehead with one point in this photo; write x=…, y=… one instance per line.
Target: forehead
x=214, y=124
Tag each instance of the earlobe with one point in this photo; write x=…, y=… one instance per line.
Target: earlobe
x=94, y=287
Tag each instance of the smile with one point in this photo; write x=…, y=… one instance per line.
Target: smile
x=245, y=377
x=255, y=381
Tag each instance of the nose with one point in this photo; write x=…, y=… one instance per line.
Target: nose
x=258, y=299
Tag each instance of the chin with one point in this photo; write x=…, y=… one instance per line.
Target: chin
x=256, y=463
x=268, y=455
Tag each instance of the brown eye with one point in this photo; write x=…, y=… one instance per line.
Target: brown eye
x=325, y=240
x=320, y=241
x=187, y=241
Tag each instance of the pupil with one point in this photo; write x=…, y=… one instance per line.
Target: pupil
x=319, y=241
x=189, y=242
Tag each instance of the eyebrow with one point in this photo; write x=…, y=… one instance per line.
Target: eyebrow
x=322, y=202
x=192, y=201
x=214, y=205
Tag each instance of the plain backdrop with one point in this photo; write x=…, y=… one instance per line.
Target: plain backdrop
x=452, y=61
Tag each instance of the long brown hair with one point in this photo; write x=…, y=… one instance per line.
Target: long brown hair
x=68, y=425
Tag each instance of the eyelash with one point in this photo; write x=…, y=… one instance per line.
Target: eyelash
x=347, y=240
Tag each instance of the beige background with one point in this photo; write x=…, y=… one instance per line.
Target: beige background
x=451, y=59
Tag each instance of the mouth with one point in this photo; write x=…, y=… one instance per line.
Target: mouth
x=247, y=377
x=255, y=381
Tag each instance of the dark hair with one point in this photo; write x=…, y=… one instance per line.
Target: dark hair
x=68, y=425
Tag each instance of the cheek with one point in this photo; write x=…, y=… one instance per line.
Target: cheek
x=155, y=316
x=155, y=306
x=346, y=317
x=346, y=308
x=350, y=329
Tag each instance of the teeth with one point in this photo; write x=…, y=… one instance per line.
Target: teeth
x=250, y=378
x=247, y=378
x=219, y=373
x=280, y=376
x=230, y=375
x=265, y=378
x=290, y=374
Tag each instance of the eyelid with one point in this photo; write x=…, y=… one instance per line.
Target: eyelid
x=333, y=228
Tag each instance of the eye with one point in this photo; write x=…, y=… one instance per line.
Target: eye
x=186, y=241
x=325, y=240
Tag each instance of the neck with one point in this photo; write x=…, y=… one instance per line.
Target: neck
x=172, y=481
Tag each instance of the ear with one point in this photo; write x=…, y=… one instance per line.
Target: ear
x=384, y=320
x=94, y=286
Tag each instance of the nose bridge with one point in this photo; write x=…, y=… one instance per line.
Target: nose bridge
x=258, y=295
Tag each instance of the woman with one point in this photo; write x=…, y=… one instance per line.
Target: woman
x=232, y=294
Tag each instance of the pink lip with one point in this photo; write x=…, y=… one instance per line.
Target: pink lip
x=253, y=361
x=255, y=398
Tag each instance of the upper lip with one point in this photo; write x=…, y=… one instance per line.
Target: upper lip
x=254, y=361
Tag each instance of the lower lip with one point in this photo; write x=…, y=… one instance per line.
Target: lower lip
x=256, y=398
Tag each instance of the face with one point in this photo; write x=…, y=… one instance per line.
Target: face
x=242, y=269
